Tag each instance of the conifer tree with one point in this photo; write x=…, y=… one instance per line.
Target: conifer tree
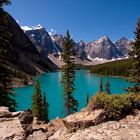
x=37, y=102
x=6, y=93
x=87, y=99
x=4, y=2
x=45, y=109
x=107, y=87
x=101, y=86
x=134, y=73
x=68, y=75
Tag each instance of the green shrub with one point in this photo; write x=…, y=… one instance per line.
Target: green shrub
x=116, y=106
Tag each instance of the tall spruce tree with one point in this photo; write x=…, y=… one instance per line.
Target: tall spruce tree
x=45, y=106
x=37, y=102
x=107, y=87
x=101, y=86
x=87, y=99
x=134, y=73
x=68, y=75
x=4, y=2
x=6, y=93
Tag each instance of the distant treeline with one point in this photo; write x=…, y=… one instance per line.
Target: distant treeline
x=114, y=68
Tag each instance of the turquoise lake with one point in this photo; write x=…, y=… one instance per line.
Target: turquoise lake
x=50, y=84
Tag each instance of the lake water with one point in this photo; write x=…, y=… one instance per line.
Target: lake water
x=50, y=84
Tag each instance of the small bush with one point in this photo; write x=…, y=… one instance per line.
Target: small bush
x=116, y=106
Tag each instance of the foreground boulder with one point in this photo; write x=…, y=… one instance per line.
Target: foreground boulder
x=16, y=125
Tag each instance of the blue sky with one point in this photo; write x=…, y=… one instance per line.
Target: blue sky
x=86, y=19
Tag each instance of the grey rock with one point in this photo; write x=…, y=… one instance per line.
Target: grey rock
x=26, y=120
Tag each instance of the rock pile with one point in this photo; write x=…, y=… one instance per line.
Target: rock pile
x=16, y=125
x=83, y=125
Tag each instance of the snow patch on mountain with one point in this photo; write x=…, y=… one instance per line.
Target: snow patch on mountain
x=102, y=39
x=37, y=27
x=27, y=28
x=52, y=32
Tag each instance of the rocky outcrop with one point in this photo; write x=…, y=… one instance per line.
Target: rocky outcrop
x=127, y=128
x=15, y=125
x=83, y=125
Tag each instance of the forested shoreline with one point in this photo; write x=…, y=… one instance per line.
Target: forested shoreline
x=115, y=68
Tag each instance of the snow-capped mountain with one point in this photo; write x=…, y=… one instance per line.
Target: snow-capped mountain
x=50, y=45
x=42, y=40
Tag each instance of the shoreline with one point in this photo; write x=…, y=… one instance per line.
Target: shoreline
x=115, y=76
x=19, y=84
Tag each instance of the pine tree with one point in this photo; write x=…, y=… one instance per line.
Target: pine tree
x=87, y=99
x=4, y=2
x=134, y=73
x=37, y=102
x=107, y=87
x=6, y=93
x=68, y=75
x=45, y=106
x=101, y=86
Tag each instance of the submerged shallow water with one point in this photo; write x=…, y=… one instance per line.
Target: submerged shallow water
x=50, y=84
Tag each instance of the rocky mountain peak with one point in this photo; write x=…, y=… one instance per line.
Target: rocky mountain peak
x=57, y=36
x=123, y=45
x=81, y=43
x=38, y=27
x=122, y=40
x=103, y=41
x=42, y=40
x=102, y=48
x=104, y=38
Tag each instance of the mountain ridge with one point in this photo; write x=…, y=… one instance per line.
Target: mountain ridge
x=86, y=53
